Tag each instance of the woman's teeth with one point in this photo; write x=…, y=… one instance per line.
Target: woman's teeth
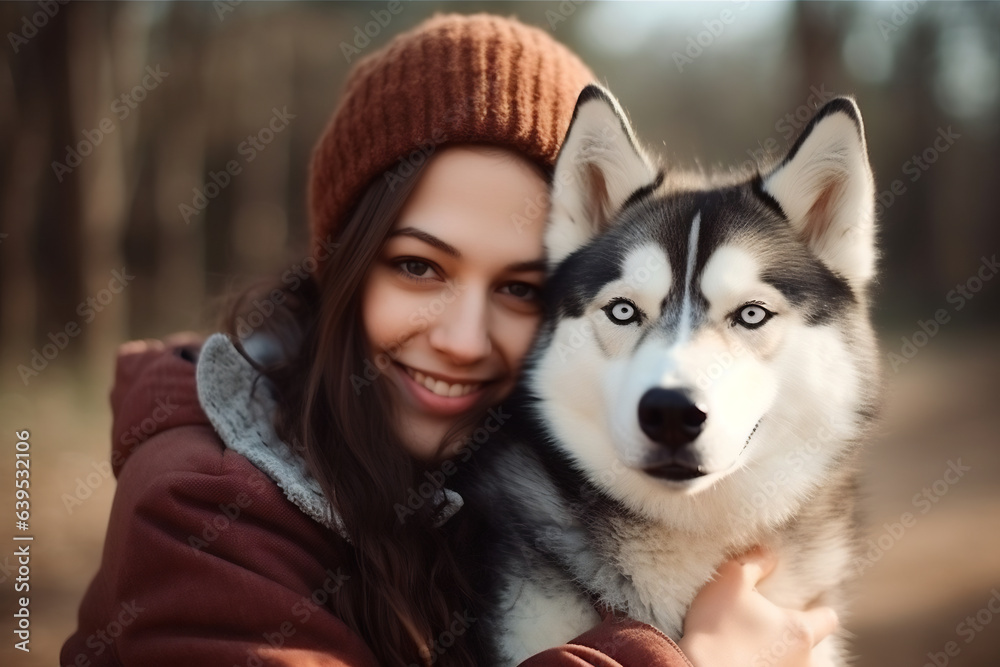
x=440, y=387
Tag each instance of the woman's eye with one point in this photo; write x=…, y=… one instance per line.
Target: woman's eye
x=622, y=311
x=522, y=291
x=752, y=316
x=415, y=268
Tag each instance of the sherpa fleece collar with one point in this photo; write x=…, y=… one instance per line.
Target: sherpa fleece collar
x=244, y=422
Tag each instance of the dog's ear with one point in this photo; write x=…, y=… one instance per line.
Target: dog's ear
x=600, y=165
x=826, y=189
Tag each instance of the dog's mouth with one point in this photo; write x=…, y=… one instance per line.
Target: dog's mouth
x=683, y=465
x=675, y=466
x=675, y=472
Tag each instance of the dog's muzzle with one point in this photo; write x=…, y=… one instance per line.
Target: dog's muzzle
x=670, y=418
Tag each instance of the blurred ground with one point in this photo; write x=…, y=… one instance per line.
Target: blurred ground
x=912, y=599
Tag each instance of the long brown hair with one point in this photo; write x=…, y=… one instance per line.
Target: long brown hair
x=406, y=584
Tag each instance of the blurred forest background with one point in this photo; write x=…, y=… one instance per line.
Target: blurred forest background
x=116, y=118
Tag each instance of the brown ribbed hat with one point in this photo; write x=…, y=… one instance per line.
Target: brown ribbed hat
x=452, y=79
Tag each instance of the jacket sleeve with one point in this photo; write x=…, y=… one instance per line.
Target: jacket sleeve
x=614, y=643
x=207, y=563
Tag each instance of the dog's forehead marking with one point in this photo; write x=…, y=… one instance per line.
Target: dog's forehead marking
x=646, y=272
x=730, y=269
x=684, y=330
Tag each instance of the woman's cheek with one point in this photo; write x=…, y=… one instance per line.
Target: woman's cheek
x=386, y=311
x=521, y=333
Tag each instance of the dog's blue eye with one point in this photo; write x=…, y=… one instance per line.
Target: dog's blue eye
x=622, y=311
x=752, y=316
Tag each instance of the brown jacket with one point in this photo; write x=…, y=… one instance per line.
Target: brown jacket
x=210, y=561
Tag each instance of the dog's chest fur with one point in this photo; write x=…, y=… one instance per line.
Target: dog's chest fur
x=553, y=546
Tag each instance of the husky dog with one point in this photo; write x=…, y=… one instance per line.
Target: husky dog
x=702, y=381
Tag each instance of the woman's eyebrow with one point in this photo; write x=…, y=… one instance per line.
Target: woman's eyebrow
x=429, y=239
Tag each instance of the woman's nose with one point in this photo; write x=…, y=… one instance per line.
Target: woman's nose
x=461, y=332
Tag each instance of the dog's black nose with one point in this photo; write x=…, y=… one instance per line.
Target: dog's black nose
x=669, y=417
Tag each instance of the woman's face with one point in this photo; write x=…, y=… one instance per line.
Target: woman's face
x=453, y=298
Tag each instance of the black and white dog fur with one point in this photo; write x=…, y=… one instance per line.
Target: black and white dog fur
x=701, y=383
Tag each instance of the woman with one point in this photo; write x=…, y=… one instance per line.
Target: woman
x=296, y=510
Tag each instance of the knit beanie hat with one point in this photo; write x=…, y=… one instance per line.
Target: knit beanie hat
x=452, y=79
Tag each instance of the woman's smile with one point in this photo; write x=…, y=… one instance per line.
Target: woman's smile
x=443, y=385
x=437, y=395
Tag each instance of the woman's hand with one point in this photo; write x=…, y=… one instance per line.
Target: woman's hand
x=731, y=624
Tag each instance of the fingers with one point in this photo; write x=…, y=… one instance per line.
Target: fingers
x=821, y=621
x=756, y=564
x=739, y=575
